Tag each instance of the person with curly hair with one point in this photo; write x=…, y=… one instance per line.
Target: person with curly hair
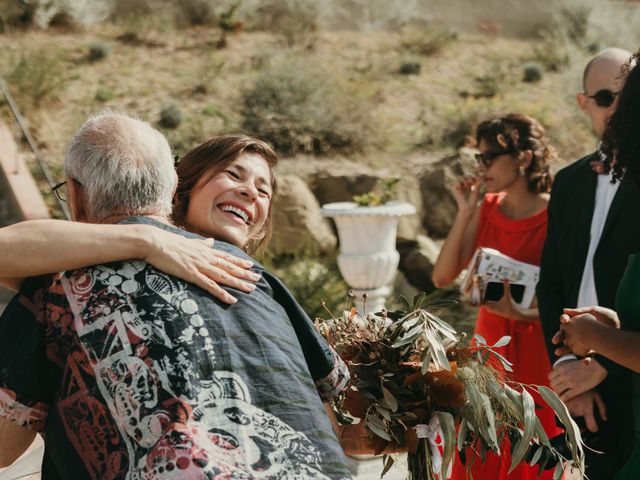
x=513, y=166
x=596, y=329
x=592, y=230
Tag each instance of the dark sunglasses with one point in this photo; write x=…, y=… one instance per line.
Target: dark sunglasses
x=60, y=190
x=487, y=158
x=604, y=98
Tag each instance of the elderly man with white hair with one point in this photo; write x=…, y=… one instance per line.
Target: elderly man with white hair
x=131, y=373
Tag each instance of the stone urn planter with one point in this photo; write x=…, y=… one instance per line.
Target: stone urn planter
x=368, y=258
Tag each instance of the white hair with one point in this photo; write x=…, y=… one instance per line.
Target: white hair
x=124, y=165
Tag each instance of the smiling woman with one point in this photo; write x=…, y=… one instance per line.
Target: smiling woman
x=225, y=189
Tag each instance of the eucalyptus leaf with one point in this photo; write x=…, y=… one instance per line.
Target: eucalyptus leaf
x=407, y=339
x=391, y=400
x=403, y=303
x=379, y=431
x=479, y=339
x=505, y=363
x=387, y=462
x=419, y=300
x=384, y=413
x=502, y=342
x=521, y=447
x=462, y=433
x=448, y=426
x=440, y=360
x=557, y=473
x=536, y=456
x=572, y=431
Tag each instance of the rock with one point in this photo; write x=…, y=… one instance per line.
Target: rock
x=298, y=224
x=439, y=206
x=417, y=260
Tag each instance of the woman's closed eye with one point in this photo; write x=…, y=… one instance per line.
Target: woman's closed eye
x=233, y=174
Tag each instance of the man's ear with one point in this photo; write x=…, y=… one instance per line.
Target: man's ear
x=582, y=100
x=77, y=200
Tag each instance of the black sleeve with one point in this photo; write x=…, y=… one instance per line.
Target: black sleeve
x=550, y=290
x=327, y=369
x=24, y=393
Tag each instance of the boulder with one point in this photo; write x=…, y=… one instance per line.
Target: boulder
x=297, y=223
x=417, y=260
x=439, y=207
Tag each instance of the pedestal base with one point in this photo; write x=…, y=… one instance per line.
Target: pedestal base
x=374, y=301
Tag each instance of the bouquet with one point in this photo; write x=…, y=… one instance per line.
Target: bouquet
x=413, y=376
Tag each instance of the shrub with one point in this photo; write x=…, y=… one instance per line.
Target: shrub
x=532, y=72
x=38, y=77
x=170, y=116
x=428, y=40
x=410, y=67
x=16, y=14
x=552, y=51
x=194, y=12
x=294, y=21
x=312, y=280
x=300, y=108
x=104, y=94
x=98, y=51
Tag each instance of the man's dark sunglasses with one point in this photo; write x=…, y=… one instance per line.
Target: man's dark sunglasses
x=487, y=158
x=604, y=98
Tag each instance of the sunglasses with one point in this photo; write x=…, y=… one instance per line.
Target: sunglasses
x=61, y=191
x=604, y=98
x=487, y=158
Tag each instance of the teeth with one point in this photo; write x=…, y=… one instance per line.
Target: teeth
x=241, y=213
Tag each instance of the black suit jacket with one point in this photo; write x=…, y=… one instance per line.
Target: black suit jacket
x=563, y=259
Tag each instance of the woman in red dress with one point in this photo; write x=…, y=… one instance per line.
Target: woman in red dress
x=513, y=165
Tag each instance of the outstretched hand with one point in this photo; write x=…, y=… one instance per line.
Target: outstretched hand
x=195, y=261
x=575, y=323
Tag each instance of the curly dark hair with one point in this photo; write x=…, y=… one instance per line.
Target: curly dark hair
x=516, y=132
x=621, y=139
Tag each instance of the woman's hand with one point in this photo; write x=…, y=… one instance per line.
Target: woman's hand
x=574, y=329
x=506, y=306
x=466, y=192
x=603, y=315
x=195, y=261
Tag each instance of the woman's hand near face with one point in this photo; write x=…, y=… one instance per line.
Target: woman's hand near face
x=466, y=192
x=195, y=261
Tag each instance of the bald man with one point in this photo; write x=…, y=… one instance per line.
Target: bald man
x=592, y=230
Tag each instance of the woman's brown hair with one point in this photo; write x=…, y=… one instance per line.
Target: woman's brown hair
x=516, y=133
x=209, y=159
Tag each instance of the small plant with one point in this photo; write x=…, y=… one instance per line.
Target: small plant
x=552, y=52
x=429, y=40
x=38, y=77
x=373, y=199
x=170, y=116
x=299, y=108
x=532, y=72
x=98, y=51
x=314, y=280
x=410, y=67
x=227, y=20
x=104, y=94
x=294, y=21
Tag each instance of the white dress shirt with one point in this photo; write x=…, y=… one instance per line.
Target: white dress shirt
x=587, y=295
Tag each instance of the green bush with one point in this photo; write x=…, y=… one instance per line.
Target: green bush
x=170, y=116
x=16, y=14
x=98, y=51
x=38, y=77
x=294, y=21
x=104, y=94
x=410, y=67
x=312, y=280
x=532, y=72
x=299, y=107
x=428, y=40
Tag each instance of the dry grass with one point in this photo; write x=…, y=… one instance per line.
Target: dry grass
x=419, y=115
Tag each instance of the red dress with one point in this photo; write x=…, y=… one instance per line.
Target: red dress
x=522, y=240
